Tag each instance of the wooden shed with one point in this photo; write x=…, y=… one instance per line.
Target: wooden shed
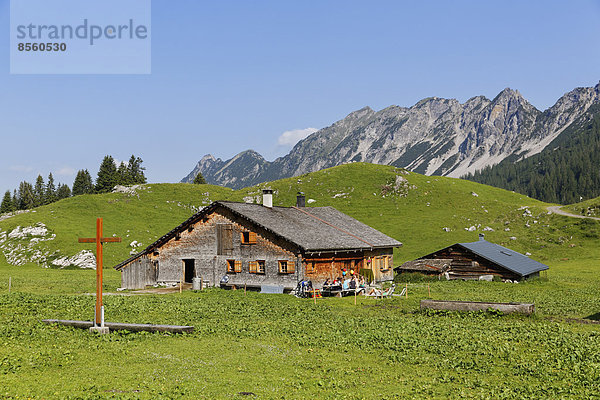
x=473, y=260
x=258, y=244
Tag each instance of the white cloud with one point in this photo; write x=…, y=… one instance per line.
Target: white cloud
x=290, y=138
x=68, y=171
x=21, y=168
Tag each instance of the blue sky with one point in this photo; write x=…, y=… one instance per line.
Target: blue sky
x=232, y=75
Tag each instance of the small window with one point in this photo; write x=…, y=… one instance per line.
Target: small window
x=234, y=266
x=260, y=266
x=230, y=265
x=310, y=267
x=257, y=267
x=375, y=262
x=248, y=237
x=286, y=267
x=385, y=263
x=283, y=267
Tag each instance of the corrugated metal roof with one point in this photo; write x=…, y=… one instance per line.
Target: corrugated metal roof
x=509, y=259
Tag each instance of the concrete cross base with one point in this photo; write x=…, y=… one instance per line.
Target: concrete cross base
x=100, y=330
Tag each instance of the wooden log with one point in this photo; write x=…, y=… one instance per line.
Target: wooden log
x=507, y=308
x=122, y=326
x=182, y=276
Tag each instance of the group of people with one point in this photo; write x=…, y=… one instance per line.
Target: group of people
x=353, y=281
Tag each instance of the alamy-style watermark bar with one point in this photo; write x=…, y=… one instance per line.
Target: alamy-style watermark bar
x=80, y=37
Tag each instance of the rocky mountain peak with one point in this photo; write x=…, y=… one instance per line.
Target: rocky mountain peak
x=436, y=136
x=358, y=114
x=250, y=153
x=509, y=96
x=207, y=158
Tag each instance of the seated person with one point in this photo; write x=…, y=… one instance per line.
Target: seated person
x=345, y=284
x=361, y=282
x=352, y=284
x=327, y=282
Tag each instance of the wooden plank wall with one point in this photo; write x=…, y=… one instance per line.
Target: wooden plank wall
x=467, y=265
x=139, y=274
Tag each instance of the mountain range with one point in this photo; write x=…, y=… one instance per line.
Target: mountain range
x=436, y=136
x=566, y=171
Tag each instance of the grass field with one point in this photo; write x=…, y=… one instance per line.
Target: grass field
x=277, y=346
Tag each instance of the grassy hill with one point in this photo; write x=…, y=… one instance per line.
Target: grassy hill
x=425, y=213
x=588, y=208
x=333, y=348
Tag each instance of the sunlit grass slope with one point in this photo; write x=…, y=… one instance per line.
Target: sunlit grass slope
x=410, y=207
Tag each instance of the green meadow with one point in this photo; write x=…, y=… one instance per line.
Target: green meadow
x=248, y=345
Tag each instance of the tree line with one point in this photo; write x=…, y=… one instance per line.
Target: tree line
x=565, y=172
x=42, y=192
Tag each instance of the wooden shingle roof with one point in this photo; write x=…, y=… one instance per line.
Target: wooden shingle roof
x=312, y=229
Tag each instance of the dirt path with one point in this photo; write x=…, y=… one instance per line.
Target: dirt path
x=557, y=210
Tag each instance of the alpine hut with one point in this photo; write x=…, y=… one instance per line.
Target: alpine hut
x=474, y=260
x=251, y=245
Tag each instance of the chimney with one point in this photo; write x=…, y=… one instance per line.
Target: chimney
x=300, y=200
x=481, y=237
x=268, y=198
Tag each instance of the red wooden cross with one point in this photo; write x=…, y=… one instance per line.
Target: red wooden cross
x=99, y=240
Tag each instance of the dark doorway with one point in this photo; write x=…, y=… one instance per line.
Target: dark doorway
x=189, y=269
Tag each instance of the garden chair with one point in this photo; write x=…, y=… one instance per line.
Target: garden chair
x=379, y=294
x=376, y=293
x=389, y=292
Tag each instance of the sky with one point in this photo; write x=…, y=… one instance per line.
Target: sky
x=227, y=76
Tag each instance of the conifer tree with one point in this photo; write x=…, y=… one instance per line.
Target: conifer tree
x=199, y=179
x=63, y=191
x=7, y=203
x=26, y=196
x=50, y=190
x=39, y=191
x=135, y=171
x=83, y=183
x=123, y=174
x=15, y=199
x=78, y=183
x=107, y=175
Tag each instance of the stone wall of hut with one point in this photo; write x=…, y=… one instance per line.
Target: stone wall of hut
x=216, y=247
